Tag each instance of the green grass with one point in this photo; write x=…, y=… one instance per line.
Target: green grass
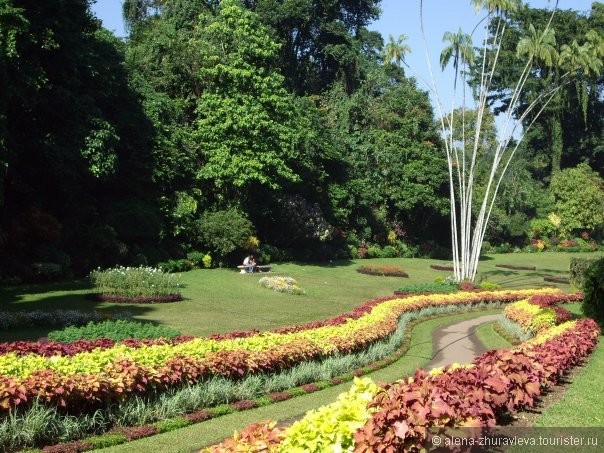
x=491, y=339
x=215, y=430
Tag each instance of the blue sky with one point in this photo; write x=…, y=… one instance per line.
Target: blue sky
x=398, y=17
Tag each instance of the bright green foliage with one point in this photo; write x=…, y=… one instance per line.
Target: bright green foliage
x=593, y=287
x=579, y=194
x=245, y=126
x=394, y=172
x=541, y=229
x=224, y=231
x=115, y=330
x=569, y=129
x=332, y=427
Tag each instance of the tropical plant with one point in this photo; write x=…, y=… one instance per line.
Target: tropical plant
x=468, y=227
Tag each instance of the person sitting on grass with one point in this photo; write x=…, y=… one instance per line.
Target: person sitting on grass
x=250, y=263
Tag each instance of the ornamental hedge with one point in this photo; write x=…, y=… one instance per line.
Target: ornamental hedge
x=102, y=373
x=400, y=416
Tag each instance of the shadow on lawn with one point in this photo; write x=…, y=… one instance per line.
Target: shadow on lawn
x=68, y=295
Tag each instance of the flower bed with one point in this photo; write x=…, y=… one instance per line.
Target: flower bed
x=135, y=285
x=440, y=267
x=399, y=416
x=518, y=268
x=281, y=284
x=94, y=378
x=551, y=279
x=385, y=271
x=540, y=312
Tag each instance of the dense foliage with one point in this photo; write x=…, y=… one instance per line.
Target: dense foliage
x=219, y=121
x=593, y=285
x=114, y=330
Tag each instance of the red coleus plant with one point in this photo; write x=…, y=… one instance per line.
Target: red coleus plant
x=497, y=382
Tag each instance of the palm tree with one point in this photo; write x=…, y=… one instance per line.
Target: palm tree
x=460, y=49
x=539, y=46
x=396, y=50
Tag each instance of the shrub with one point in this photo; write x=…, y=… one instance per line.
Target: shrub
x=134, y=281
x=196, y=258
x=578, y=267
x=593, y=287
x=55, y=318
x=389, y=252
x=225, y=231
x=115, y=330
x=173, y=266
x=374, y=252
x=387, y=271
x=421, y=288
x=171, y=424
x=541, y=228
x=488, y=286
x=466, y=286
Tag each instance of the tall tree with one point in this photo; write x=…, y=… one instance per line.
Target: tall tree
x=395, y=50
x=468, y=232
x=570, y=128
x=69, y=145
x=245, y=117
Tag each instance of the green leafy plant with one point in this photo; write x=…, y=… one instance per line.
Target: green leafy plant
x=224, y=231
x=134, y=281
x=593, y=287
x=388, y=271
x=578, y=267
x=115, y=330
x=421, y=288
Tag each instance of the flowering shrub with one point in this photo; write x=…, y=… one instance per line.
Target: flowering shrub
x=132, y=282
x=281, y=284
x=387, y=271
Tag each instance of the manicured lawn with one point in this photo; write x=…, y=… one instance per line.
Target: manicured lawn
x=222, y=300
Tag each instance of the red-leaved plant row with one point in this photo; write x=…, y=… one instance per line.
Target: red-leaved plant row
x=499, y=382
x=478, y=396
x=124, y=378
x=550, y=301
x=50, y=348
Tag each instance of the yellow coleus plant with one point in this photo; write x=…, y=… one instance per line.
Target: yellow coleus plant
x=332, y=427
x=372, y=326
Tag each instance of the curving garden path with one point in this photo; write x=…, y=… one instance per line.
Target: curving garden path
x=457, y=343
